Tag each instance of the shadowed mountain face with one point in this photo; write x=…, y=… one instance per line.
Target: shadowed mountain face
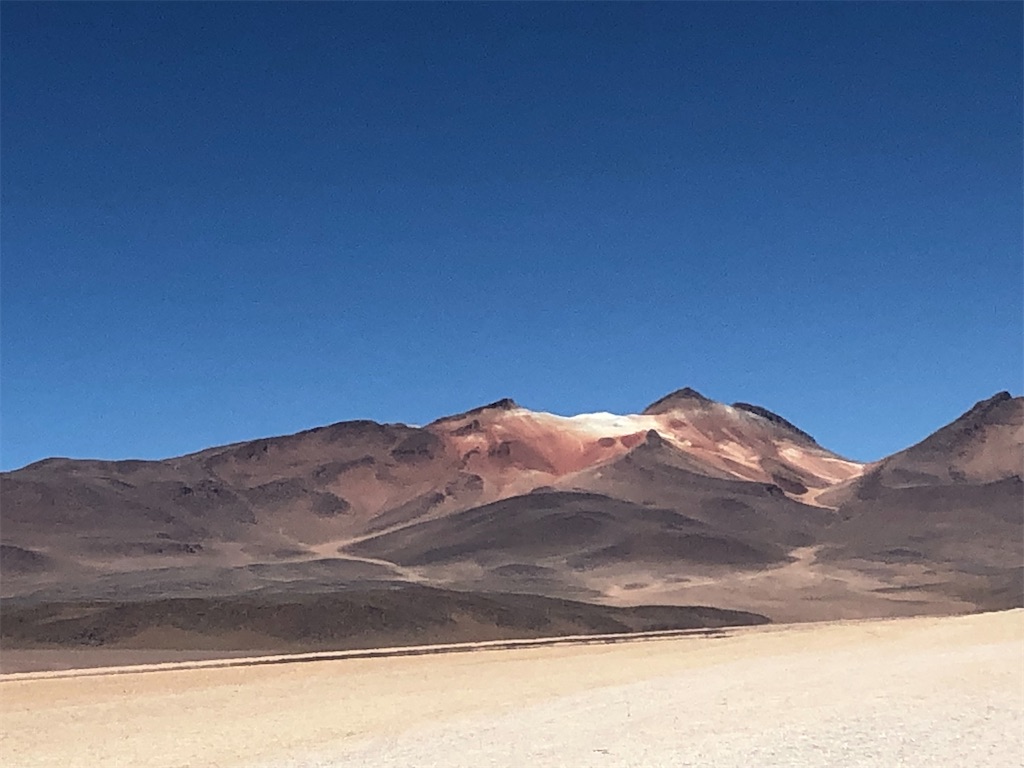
x=690, y=502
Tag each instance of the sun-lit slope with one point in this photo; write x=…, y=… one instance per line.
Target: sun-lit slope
x=516, y=448
x=658, y=473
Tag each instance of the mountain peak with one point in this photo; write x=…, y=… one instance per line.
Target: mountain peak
x=984, y=406
x=1001, y=408
x=774, y=418
x=505, y=404
x=654, y=439
x=685, y=397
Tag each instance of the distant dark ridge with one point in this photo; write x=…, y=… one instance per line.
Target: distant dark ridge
x=774, y=418
x=366, y=618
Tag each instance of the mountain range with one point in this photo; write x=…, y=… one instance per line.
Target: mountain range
x=503, y=521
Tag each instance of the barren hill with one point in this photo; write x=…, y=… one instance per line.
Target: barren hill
x=690, y=502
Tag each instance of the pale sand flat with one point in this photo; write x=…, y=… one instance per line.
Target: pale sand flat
x=907, y=692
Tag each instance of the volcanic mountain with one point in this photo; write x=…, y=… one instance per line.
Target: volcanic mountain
x=954, y=501
x=689, y=501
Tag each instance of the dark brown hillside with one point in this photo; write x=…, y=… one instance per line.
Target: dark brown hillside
x=353, y=619
x=954, y=501
x=568, y=527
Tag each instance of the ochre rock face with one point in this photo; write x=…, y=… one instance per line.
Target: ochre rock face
x=747, y=442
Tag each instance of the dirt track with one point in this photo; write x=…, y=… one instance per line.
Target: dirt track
x=910, y=692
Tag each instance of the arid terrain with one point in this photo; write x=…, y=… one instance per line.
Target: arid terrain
x=511, y=385
x=504, y=522
x=915, y=692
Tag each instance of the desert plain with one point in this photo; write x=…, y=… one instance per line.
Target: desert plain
x=922, y=691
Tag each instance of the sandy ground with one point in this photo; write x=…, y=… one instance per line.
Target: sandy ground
x=906, y=692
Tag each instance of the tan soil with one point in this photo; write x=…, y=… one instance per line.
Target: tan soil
x=911, y=692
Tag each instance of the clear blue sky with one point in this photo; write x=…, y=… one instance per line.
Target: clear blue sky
x=223, y=221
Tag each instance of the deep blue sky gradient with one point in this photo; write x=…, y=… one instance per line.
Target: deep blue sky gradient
x=229, y=220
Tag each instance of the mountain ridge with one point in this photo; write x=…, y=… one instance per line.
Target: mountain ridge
x=699, y=503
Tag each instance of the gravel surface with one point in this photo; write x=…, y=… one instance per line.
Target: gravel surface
x=913, y=708
x=943, y=692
